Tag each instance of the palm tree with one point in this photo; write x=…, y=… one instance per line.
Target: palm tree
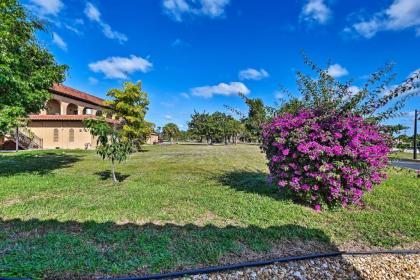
x=170, y=131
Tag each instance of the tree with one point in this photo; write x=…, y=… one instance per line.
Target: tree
x=257, y=115
x=111, y=142
x=130, y=106
x=374, y=100
x=170, y=131
x=199, y=126
x=217, y=127
x=27, y=70
x=115, y=142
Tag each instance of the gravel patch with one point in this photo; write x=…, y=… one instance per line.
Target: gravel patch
x=384, y=266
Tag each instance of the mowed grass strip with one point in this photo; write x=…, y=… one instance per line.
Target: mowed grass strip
x=177, y=206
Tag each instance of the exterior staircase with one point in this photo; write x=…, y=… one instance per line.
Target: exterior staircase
x=26, y=139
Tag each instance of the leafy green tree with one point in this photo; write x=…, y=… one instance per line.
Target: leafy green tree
x=258, y=114
x=217, y=127
x=199, y=126
x=170, y=131
x=374, y=100
x=111, y=142
x=130, y=106
x=27, y=70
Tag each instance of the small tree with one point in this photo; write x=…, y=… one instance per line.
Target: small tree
x=170, y=131
x=130, y=106
x=111, y=144
x=27, y=69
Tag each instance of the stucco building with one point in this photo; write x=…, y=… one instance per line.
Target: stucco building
x=60, y=124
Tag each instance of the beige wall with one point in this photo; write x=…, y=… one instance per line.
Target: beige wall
x=45, y=130
x=153, y=138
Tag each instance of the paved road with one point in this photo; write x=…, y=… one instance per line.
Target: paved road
x=406, y=164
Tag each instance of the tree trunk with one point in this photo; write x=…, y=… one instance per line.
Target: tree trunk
x=114, y=178
x=17, y=139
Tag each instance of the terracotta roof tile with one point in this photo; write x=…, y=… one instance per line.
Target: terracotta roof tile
x=71, y=92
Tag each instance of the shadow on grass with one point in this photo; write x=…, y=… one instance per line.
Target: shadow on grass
x=72, y=250
x=106, y=175
x=252, y=182
x=36, y=163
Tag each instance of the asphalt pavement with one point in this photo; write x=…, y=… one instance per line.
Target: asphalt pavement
x=406, y=164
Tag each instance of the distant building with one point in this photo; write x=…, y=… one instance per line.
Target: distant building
x=60, y=124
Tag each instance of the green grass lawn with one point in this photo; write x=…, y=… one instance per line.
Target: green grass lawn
x=402, y=155
x=178, y=206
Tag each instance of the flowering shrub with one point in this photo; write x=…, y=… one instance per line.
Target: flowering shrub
x=325, y=158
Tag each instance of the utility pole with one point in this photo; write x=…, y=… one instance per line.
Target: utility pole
x=415, y=134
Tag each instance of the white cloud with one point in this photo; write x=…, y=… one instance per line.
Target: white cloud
x=93, y=81
x=112, y=34
x=279, y=94
x=316, y=11
x=72, y=29
x=400, y=15
x=185, y=95
x=168, y=117
x=233, y=88
x=57, y=40
x=178, y=43
x=120, y=67
x=92, y=12
x=94, y=15
x=47, y=7
x=336, y=71
x=253, y=74
x=176, y=9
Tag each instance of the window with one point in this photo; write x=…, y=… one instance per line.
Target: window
x=55, y=135
x=71, y=135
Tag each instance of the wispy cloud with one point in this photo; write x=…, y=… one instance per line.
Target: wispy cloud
x=232, y=88
x=94, y=15
x=253, y=74
x=46, y=7
x=400, y=15
x=93, y=81
x=168, y=117
x=337, y=71
x=121, y=67
x=177, y=9
x=185, y=95
x=179, y=43
x=59, y=42
x=315, y=11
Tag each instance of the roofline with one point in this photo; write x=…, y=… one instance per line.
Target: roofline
x=78, y=98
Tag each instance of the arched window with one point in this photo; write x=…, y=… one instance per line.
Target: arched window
x=99, y=113
x=55, y=134
x=71, y=135
x=87, y=111
x=53, y=107
x=72, y=109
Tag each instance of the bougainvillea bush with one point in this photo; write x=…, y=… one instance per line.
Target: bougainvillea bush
x=325, y=159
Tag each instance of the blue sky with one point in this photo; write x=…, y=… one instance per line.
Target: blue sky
x=197, y=54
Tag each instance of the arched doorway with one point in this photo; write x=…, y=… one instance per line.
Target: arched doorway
x=53, y=107
x=99, y=113
x=72, y=109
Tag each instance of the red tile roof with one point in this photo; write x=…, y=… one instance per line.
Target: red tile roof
x=74, y=93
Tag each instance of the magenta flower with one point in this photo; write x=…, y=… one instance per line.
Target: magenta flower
x=331, y=159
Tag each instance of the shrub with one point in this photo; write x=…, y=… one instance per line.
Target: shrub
x=325, y=159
